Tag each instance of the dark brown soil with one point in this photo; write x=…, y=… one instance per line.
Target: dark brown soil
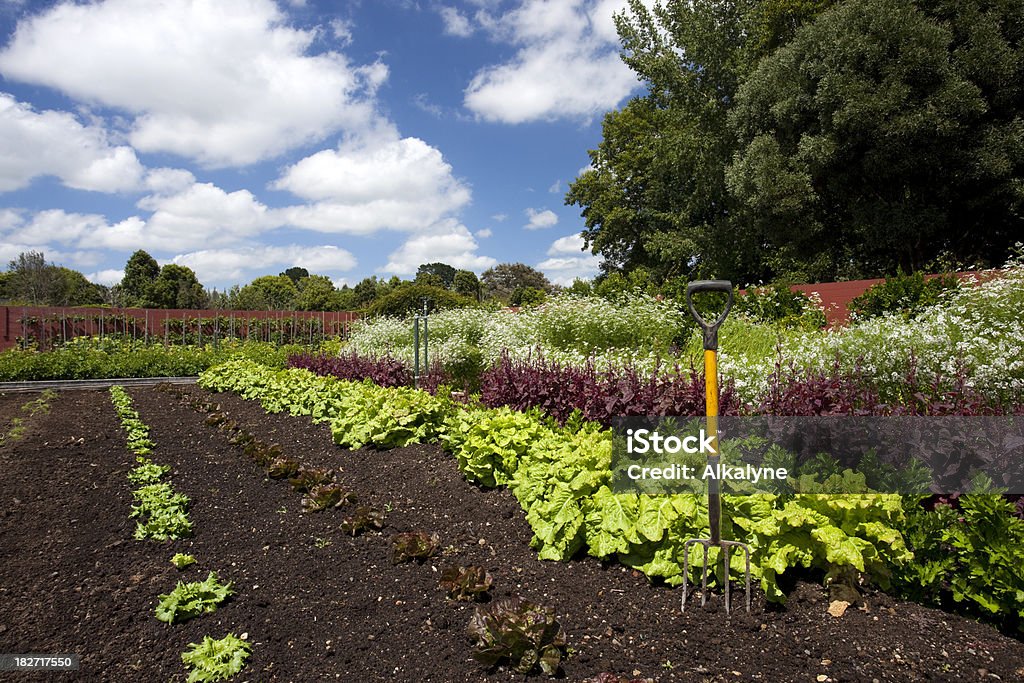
x=318, y=604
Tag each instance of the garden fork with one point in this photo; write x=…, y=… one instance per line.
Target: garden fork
x=714, y=485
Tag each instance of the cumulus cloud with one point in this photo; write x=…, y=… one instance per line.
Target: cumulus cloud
x=567, y=262
x=570, y=244
x=51, y=143
x=225, y=83
x=448, y=242
x=484, y=233
x=241, y=264
x=202, y=214
x=455, y=22
x=108, y=277
x=540, y=219
x=567, y=64
x=370, y=184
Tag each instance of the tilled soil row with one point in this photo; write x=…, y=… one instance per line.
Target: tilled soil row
x=318, y=604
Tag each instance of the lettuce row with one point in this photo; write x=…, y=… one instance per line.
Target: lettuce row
x=561, y=478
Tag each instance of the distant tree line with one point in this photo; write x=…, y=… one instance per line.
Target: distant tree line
x=31, y=280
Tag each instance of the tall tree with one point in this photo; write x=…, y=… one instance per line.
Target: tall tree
x=177, y=287
x=505, y=278
x=295, y=274
x=267, y=293
x=444, y=274
x=140, y=273
x=466, y=283
x=886, y=134
x=655, y=195
x=317, y=293
x=31, y=279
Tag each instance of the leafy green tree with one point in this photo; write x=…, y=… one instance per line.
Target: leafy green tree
x=71, y=288
x=444, y=273
x=317, y=293
x=505, y=278
x=177, y=287
x=295, y=274
x=885, y=134
x=366, y=291
x=655, y=195
x=408, y=298
x=31, y=279
x=267, y=293
x=140, y=273
x=528, y=297
x=466, y=283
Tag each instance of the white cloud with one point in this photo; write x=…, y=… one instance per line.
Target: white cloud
x=342, y=30
x=34, y=144
x=556, y=187
x=370, y=184
x=570, y=244
x=241, y=264
x=166, y=181
x=226, y=82
x=455, y=22
x=202, y=214
x=500, y=217
x=567, y=262
x=108, y=277
x=567, y=64
x=49, y=227
x=484, y=233
x=540, y=219
x=448, y=242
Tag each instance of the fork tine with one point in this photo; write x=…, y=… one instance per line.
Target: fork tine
x=725, y=578
x=686, y=576
x=704, y=577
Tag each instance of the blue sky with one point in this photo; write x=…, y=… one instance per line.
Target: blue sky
x=241, y=137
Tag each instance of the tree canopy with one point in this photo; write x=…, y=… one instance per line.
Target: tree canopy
x=810, y=139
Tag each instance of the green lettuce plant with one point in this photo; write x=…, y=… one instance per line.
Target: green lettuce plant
x=189, y=600
x=215, y=660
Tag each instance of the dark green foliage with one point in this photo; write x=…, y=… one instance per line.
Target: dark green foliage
x=467, y=284
x=811, y=140
x=31, y=280
x=902, y=293
x=413, y=545
x=364, y=518
x=267, y=293
x=884, y=135
x=176, y=287
x=444, y=274
x=408, y=298
x=519, y=632
x=295, y=274
x=974, y=554
x=140, y=273
x=466, y=583
x=501, y=281
x=528, y=296
x=776, y=303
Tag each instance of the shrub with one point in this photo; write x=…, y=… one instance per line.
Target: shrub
x=903, y=293
x=409, y=299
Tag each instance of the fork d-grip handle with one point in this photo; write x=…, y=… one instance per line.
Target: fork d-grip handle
x=710, y=329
